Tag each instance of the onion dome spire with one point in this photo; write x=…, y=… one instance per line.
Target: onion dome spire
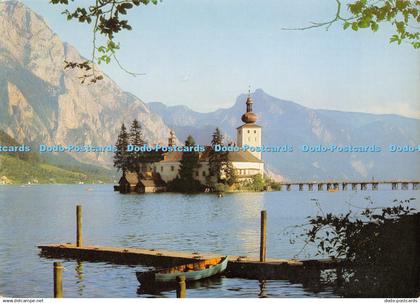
x=249, y=116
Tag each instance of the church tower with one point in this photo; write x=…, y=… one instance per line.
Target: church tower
x=249, y=133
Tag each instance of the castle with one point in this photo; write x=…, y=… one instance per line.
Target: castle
x=155, y=175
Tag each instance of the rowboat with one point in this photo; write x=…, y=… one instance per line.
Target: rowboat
x=192, y=272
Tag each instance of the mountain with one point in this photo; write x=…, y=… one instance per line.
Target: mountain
x=286, y=122
x=42, y=103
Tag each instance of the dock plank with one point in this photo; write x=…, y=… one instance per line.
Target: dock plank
x=238, y=266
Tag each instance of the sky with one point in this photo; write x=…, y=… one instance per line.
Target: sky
x=204, y=53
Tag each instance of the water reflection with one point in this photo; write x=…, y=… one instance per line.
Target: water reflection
x=263, y=290
x=165, y=290
x=79, y=277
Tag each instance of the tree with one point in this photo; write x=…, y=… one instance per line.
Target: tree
x=121, y=156
x=403, y=15
x=189, y=162
x=136, y=138
x=257, y=183
x=219, y=165
x=108, y=20
x=186, y=182
x=217, y=159
x=377, y=246
x=188, y=167
x=230, y=173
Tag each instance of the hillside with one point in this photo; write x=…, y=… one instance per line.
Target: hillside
x=19, y=168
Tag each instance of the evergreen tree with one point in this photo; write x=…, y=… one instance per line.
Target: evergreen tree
x=185, y=181
x=189, y=162
x=219, y=164
x=216, y=158
x=230, y=173
x=121, y=159
x=136, y=138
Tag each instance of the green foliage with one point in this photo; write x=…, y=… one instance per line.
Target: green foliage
x=108, y=18
x=402, y=14
x=257, y=183
x=135, y=137
x=188, y=166
x=219, y=165
x=178, y=185
x=21, y=171
x=372, y=243
x=121, y=156
x=221, y=187
x=216, y=159
x=276, y=186
x=230, y=174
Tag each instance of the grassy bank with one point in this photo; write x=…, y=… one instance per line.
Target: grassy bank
x=14, y=170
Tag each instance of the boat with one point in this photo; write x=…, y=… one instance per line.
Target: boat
x=333, y=190
x=192, y=272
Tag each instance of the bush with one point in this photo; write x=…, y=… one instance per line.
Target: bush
x=177, y=185
x=221, y=187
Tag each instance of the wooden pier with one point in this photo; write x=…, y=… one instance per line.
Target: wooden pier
x=238, y=266
x=262, y=268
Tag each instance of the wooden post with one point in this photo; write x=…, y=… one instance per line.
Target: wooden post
x=79, y=241
x=181, y=291
x=263, y=239
x=58, y=280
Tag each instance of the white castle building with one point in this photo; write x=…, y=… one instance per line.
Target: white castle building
x=246, y=163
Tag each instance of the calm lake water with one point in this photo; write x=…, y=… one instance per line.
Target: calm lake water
x=43, y=214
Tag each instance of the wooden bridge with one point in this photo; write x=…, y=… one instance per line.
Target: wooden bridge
x=350, y=185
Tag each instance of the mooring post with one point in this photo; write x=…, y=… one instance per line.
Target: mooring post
x=263, y=239
x=181, y=291
x=79, y=240
x=58, y=280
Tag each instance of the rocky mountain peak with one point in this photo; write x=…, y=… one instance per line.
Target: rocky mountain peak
x=40, y=102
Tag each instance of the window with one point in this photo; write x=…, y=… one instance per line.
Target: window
x=161, y=169
x=204, y=173
x=172, y=168
x=255, y=131
x=196, y=173
x=248, y=131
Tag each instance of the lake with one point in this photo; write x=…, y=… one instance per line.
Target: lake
x=43, y=214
